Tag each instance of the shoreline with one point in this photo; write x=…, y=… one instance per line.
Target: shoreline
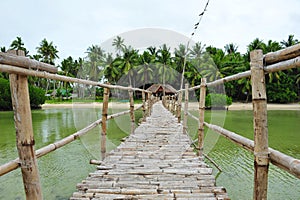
x=193, y=106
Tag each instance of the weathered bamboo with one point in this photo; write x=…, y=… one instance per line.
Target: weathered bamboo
x=11, y=59
x=24, y=136
x=40, y=74
x=186, y=104
x=259, y=101
x=281, y=55
x=201, y=116
x=104, y=121
x=179, y=106
x=277, y=158
x=14, y=164
x=284, y=65
x=132, y=117
x=95, y=162
x=149, y=104
x=144, y=106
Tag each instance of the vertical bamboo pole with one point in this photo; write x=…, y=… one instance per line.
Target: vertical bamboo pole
x=259, y=101
x=179, y=106
x=186, y=104
x=104, y=121
x=149, y=104
x=201, y=116
x=132, y=118
x=144, y=106
x=24, y=134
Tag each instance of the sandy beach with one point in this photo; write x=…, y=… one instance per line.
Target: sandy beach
x=193, y=105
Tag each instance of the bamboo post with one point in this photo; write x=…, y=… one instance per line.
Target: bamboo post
x=179, y=106
x=104, y=121
x=259, y=101
x=201, y=116
x=24, y=134
x=186, y=103
x=149, y=105
x=144, y=106
x=132, y=118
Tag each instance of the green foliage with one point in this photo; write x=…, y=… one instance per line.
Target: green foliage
x=5, y=99
x=214, y=100
x=37, y=96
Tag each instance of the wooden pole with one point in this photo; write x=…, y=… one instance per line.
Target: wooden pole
x=103, y=122
x=259, y=101
x=201, y=116
x=149, y=104
x=132, y=118
x=24, y=135
x=179, y=106
x=186, y=104
x=144, y=106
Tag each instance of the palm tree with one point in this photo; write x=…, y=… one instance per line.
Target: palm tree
x=230, y=48
x=118, y=42
x=127, y=62
x=164, y=58
x=111, y=71
x=94, y=62
x=48, y=52
x=290, y=41
x=145, y=60
x=197, y=50
x=18, y=44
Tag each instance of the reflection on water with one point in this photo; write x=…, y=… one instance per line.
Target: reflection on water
x=62, y=169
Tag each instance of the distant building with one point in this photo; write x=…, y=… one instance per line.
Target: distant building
x=157, y=90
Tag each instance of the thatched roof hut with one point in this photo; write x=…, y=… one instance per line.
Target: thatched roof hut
x=157, y=89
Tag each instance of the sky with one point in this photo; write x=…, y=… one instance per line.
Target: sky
x=74, y=25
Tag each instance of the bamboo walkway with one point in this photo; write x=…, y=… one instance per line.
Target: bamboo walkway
x=155, y=162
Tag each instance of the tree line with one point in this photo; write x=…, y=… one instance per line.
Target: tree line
x=130, y=66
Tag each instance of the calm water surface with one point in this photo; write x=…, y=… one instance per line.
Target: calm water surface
x=62, y=169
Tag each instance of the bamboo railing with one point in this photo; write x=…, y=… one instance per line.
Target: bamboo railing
x=19, y=67
x=260, y=65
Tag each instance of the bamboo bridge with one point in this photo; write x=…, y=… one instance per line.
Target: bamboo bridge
x=156, y=161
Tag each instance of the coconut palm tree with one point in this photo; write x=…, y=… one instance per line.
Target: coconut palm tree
x=230, y=48
x=289, y=42
x=145, y=61
x=18, y=44
x=47, y=51
x=94, y=63
x=119, y=45
x=197, y=50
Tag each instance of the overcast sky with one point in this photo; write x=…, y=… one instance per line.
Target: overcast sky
x=75, y=25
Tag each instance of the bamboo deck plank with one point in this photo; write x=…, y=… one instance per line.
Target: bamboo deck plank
x=154, y=162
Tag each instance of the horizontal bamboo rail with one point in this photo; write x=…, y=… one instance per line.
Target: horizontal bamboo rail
x=14, y=164
x=277, y=158
x=281, y=55
x=40, y=74
x=24, y=62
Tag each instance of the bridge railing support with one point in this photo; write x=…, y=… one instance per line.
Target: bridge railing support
x=259, y=101
x=104, y=121
x=201, y=116
x=24, y=134
x=186, y=104
x=179, y=100
x=132, y=117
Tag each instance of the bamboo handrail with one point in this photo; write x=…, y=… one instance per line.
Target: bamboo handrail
x=281, y=55
x=24, y=62
x=14, y=164
x=41, y=74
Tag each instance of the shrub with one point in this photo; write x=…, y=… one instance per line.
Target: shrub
x=36, y=95
x=214, y=100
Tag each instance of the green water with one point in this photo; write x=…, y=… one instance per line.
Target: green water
x=62, y=169
x=237, y=163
